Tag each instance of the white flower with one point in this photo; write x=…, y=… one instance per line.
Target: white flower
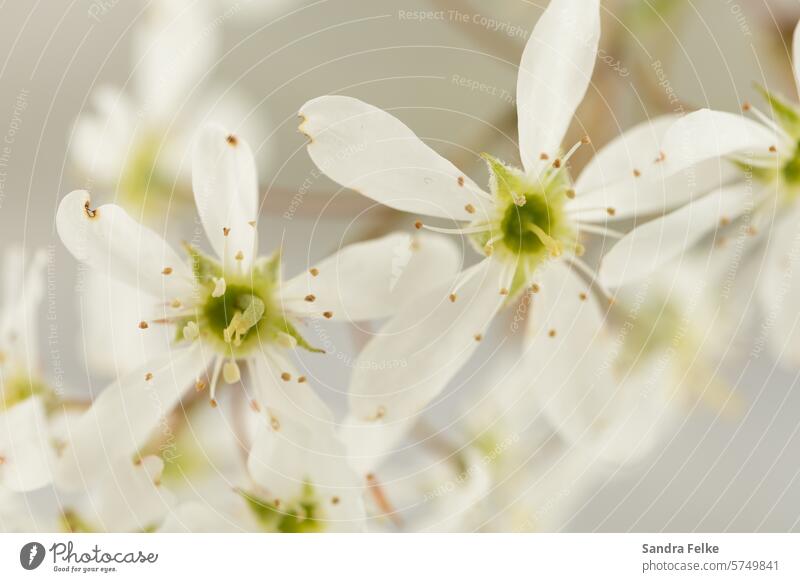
x=248, y=328
x=529, y=226
x=757, y=164
x=304, y=480
x=133, y=143
x=296, y=477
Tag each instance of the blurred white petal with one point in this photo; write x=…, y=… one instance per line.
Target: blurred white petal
x=706, y=134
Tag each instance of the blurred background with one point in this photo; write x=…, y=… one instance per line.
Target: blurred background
x=446, y=68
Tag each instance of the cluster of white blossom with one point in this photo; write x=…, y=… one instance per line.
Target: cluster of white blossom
x=211, y=424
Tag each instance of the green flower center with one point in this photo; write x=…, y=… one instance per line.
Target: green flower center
x=655, y=327
x=302, y=515
x=523, y=226
x=20, y=387
x=238, y=314
x=529, y=225
x=145, y=186
x=238, y=317
x=784, y=170
x=791, y=169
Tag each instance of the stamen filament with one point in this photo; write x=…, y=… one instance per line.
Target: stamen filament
x=215, y=377
x=466, y=276
x=488, y=248
x=593, y=276
x=609, y=210
x=769, y=122
x=573, y=149
x=465, y=230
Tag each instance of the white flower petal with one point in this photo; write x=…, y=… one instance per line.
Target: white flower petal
x=565, y=316
x=226, y=193
x=657, y=242
x=635, y=149
x=25, y=449
x=403, y=368
x=368, y=150
x=109, y=240
x=655, y=193
x=554, y=73
x=114, y=343
x=125, y=415
x=625, y=175
x=706, y=134
x=372, y=279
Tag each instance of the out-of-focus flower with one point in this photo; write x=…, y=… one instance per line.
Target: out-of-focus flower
x=296, y=479
x=134, y=142
x=303, y=481
x=231, y=313
x=500, y=467
x=658, y=359
x=756, y=206
x=535, y=477
x=528, y=228
x=27, y=452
